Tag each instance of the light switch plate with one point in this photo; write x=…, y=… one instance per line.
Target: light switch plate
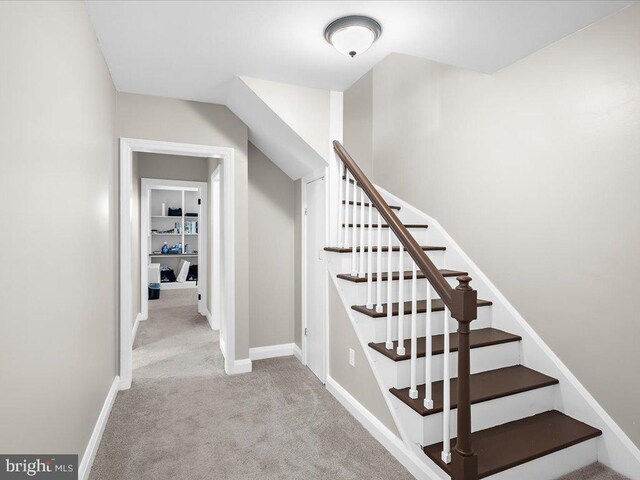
x=352, y=357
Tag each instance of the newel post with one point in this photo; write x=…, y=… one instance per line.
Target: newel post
x=464, y=461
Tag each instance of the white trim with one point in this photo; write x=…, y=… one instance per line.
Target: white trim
x=320, y=173
x=215, y=282
x=394, y=445
x=609, y=452
x=127, y=147
x=336, y=119
x=209, y=318
x=297, y=352
x=271, y=351
x=136, y=324
x=223, y=348
x=94, y=441
x=243, y=365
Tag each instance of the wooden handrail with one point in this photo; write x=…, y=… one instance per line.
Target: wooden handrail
x=437, y=280
x=461, y=302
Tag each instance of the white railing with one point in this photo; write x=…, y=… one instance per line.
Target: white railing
x=363, y=251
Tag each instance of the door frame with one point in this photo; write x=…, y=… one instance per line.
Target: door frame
x=226, y=156
x=315, y=175
x=146, y=185
x=215, y=282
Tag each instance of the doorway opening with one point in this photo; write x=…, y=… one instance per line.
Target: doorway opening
x=173, y=232
x=172, y=242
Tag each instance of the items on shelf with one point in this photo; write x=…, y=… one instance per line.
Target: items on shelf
x=174, y=249
x=174, y=212
x=155, y=231
x=190, y=214
x=164, y=209
x=167, y=274
x=192, y=276
x=183, y=271
x=190, y=227
x=177, y=227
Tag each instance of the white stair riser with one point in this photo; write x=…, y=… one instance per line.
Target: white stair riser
x=375, y=329
x=358, y=290
x=341, y=262
x=552, y=466
x=428, y=430
x=421, y=235
x=374, y=215
x=397, y=374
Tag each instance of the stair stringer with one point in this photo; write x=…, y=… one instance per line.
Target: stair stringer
x=615, y=449
x=414, y=458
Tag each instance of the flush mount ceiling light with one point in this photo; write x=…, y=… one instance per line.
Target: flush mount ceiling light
x=352, y=35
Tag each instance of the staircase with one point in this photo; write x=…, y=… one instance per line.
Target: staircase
x=459, y=386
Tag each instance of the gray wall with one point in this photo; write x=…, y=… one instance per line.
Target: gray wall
x=358, y=122
x=172, y=167
x=157, y=118
x=358, y=380
x=58, y=301
x=271, y=252
x=535, y=172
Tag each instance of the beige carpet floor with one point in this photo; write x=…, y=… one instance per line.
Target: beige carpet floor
x=183, y=418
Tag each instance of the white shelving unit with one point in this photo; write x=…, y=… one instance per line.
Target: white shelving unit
x=158, y=228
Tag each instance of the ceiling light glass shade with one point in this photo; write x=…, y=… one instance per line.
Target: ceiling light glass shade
x=352, y=35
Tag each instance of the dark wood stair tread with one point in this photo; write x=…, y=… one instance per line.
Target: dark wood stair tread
x=436, y=306
x=426, y=248
x=396, y=275
x=384, y=225
x=484, y=386
x=511, y=444
x=366, y=204
x=483, y=337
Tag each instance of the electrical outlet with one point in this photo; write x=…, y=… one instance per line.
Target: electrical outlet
x=352, y=357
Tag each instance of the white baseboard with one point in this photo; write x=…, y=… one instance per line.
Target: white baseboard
x=134, y=330
x=272, y=351
x=223, y=347
x=241, y=366
x=209, y=318
x=297, y=352
x=94, y=442
x=394, y=445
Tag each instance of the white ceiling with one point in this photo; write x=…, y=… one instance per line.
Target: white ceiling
x=193, y=50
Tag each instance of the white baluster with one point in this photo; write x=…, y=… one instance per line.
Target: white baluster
x=361, y=270
x=389, y=343
x=340, y=209
x=446, y=393
x=346, y=207
x=370, y=259
x=379, y=269
x=401, y=349
x=413, y=391
x=354, y=230
x=428, y=395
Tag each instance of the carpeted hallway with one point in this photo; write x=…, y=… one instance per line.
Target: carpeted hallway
x=183, y=418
